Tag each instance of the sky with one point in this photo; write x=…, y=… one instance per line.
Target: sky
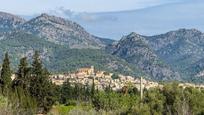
x=28, y=7
x=115, y=18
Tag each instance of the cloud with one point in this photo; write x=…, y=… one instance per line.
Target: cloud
x=39, y=6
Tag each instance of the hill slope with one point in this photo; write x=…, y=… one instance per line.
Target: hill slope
x=9, y=21
x=60, y=58
x=183, y=49
x=134, y=49
x=61, y=31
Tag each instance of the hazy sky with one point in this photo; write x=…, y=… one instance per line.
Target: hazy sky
x=26, y=7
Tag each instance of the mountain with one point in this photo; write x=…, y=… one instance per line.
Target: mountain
x=135, y=49
x=61, y=31
x=65, y=46
x=60, y=58
x=57, y=40
x=9, y=21
x=182, y=49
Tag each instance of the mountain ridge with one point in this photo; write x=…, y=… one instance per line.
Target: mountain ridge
x=135, y=49
x=175, y=55
x=61, y=31
x=9, y=21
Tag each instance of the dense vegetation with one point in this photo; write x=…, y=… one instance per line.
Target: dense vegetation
x=60, y=58
x=32, y=92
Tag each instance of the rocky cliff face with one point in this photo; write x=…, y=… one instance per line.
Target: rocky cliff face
x=183, y=49
x=134, y=49
x=9, y=21
x=60, y=58
x=61, y=31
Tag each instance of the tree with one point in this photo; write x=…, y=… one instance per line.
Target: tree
x=195, y=100
x=93, y=88
x=172, y=94
x=5, y=78
x=20, y=87
x=41, y=86
x=115, y=76
x=155, y=100
x=22, y=75
x=66, y=92
x=87, y=93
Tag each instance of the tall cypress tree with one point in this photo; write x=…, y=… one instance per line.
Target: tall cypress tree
x=40, y=85
x=66, y=92
x=6, y=73
x=93, y=88
x=22, y=75
x=37, y=68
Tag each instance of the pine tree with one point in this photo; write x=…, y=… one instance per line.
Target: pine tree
x=6, y=73
x=41, y=87
x=66, y=92
x=87, y=93
x=93, y=88
x=22, y=76
x=37, y=68
x=76, y=91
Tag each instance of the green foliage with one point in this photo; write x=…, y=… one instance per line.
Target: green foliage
x=32, y=92
x=194, y=98
x=23, y=74
x=155, y=100
x=113, y=101
x=21, y=102
x=173, y=95
x=5, y=78
x=92, y=89
x=66, y=92
x=171, y=99
x=64, y=110
x=60, y=58
x=41, y=87
x=114, y=76
x=3, y=101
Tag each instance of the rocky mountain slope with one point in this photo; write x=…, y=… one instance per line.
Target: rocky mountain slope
x=63, y=44
x=9, y=21
x=60, y=58
x=134, y=49
x=183, y=49
x=61, y=31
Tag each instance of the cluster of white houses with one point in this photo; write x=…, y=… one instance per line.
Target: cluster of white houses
x=102, y=79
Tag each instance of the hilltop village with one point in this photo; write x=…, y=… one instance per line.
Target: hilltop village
x=102, y=79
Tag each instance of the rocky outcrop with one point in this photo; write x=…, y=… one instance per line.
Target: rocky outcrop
x=135, y=50
x=182, y=49
x=8, y=22
x=61, y=31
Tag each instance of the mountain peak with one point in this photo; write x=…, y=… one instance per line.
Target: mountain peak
x=134, y=49
x=62, y=31
x=186, y=31
x=9, y=21
x=8, y=15
x=53, y=19
x=133, y=37
x=134, y=34
x=44, y=15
